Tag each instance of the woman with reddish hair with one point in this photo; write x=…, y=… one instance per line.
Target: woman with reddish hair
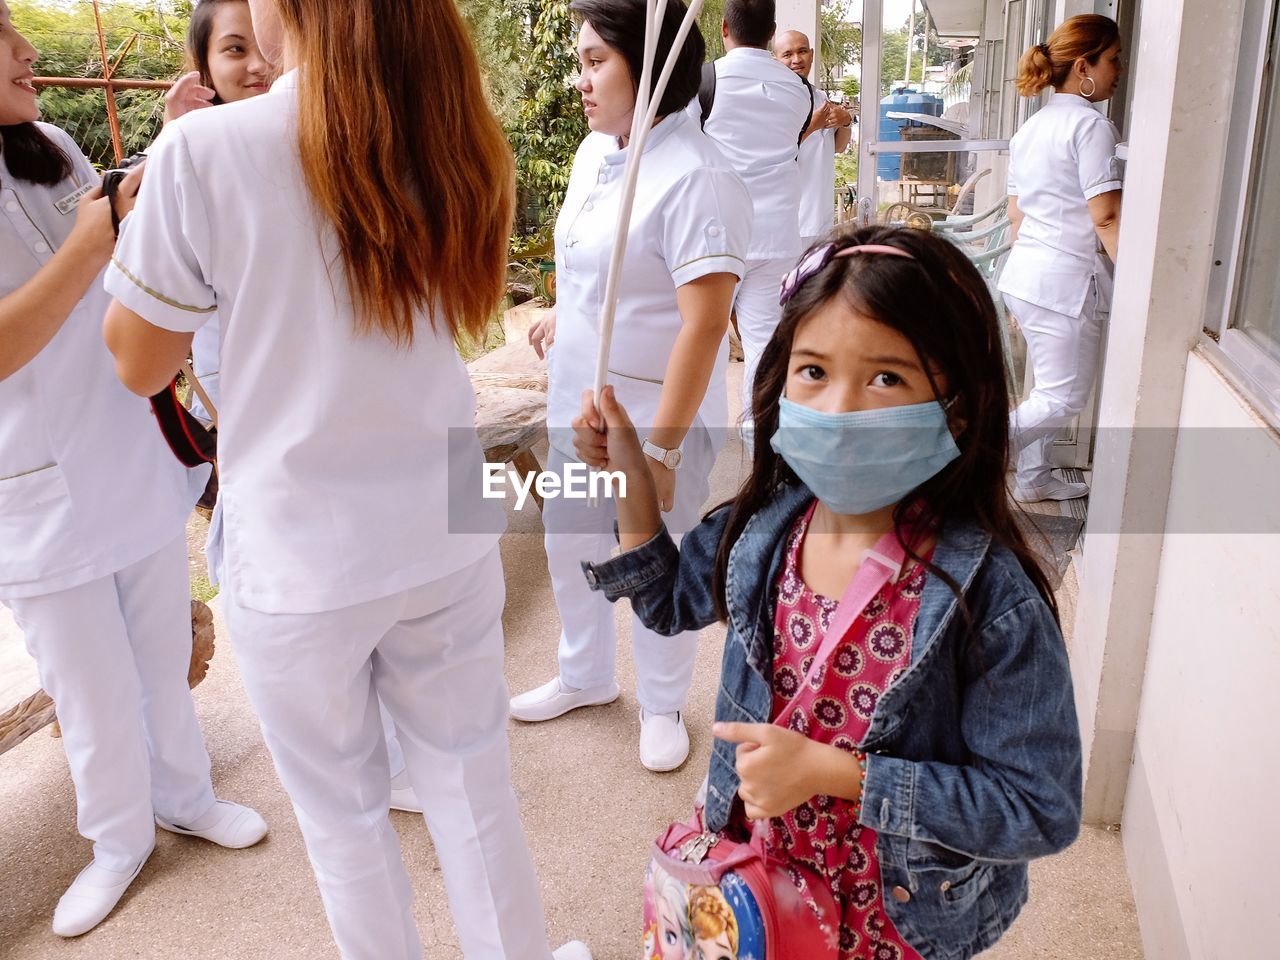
x=343, y=247
x=1064, y=200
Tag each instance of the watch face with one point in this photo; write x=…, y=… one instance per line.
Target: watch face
x=672, y=459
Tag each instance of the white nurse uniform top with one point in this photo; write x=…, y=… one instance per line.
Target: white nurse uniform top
x=1060, y=159
x=88, y=485
x=817, y=177
x=692, y=218
x=348, y=465
x=756, y=120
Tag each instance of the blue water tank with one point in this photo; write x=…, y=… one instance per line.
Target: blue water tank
x=889, y=165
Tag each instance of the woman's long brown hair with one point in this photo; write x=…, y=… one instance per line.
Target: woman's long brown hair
x=404, y=159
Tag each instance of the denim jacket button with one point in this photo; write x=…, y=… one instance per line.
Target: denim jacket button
x=946, y=885
x=901, y=894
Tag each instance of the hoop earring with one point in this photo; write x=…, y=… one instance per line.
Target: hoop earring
x=1093, y=86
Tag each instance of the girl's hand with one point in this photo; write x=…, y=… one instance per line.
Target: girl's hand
x=542, y=334
x=185, y=95
x=618, y=447
x=780, y=769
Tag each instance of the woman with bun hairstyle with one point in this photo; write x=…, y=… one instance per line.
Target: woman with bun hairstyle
x=1064, y=200
x=342, y=247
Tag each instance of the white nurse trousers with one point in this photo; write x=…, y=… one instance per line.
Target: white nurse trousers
x=114, y=654
x=1063, y=353
x=758, y=312
x=434, y=656
x=578, y=531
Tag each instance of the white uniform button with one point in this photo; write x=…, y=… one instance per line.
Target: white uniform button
x=12, y=206
x=588, y=206
x=42, y=247
x=604, y=178
x=713, y=231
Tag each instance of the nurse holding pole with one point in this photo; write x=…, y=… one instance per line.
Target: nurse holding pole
x=342, y=245
x=93, y=508
x=1064, y=201
x=655, y=224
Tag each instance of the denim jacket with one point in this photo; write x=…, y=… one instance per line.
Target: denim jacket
x=973, y=754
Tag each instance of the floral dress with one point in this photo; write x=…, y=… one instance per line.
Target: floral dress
x=823, y=834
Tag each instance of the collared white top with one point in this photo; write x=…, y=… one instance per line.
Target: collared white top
x=1059, y=160
x=817, y=177
x=692, y=217
x=756, y=120
x=87, y=484
x=349, y=466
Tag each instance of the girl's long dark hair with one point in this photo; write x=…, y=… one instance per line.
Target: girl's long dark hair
x=199, y=36
x=31, y=156
x=940, y=303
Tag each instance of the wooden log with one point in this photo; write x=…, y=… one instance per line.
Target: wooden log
x=32, y=714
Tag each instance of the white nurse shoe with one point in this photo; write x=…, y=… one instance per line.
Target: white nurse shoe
x=91, y=896
x=227, y=824
x=664, y=741
x=403, y=796
x=573, y=950
x=553, y=699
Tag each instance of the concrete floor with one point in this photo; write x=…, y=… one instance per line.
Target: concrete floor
x=590, y=810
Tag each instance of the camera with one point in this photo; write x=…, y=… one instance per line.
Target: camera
x=111, y=183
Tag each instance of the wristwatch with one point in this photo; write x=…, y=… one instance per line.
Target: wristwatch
x=668, y=458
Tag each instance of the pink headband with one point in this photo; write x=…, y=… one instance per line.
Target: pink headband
x=873, y=248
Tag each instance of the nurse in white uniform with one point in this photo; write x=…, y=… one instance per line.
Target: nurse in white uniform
x=353, y=570
x=830, y=132
x=229, y=67
x=759, y=113
x=93, y=559
x=686, y=249
x=1064, y=199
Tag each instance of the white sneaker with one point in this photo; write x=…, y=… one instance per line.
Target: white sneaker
x=1052, y=489
x=225, y=823
x=402, y=795
x=554, y=699
x=573, y=950
x=664, y=741
x=91, y=896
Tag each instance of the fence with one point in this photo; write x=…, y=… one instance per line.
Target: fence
x=137, y=99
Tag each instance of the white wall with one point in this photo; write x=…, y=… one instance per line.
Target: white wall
x=1200, y=820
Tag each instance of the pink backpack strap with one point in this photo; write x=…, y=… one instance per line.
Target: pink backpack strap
x=882, y=564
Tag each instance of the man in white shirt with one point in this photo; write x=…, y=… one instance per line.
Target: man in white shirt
x=759, y=112
x=829, y=133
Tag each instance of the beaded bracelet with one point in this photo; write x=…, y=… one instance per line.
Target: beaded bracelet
x=862, y=779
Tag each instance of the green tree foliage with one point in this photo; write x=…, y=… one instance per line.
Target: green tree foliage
x=148, y=34
x=841, y=41
x=548, y=124
x=893, y=54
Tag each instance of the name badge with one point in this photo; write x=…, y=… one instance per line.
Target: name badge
x=68, y=203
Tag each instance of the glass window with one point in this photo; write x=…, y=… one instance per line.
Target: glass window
x=1257, y=304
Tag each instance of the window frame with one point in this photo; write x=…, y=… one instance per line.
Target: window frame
x=1249, y=367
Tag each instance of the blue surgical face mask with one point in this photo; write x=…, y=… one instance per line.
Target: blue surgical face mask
x=861, y=461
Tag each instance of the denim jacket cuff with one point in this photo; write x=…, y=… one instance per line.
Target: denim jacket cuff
x=626, y=573
x=888, y=795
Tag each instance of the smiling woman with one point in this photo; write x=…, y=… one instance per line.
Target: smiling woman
x=92, y=545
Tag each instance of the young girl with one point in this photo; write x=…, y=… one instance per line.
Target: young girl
x=918, y=758
x=323, y=224
x=93, y=552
